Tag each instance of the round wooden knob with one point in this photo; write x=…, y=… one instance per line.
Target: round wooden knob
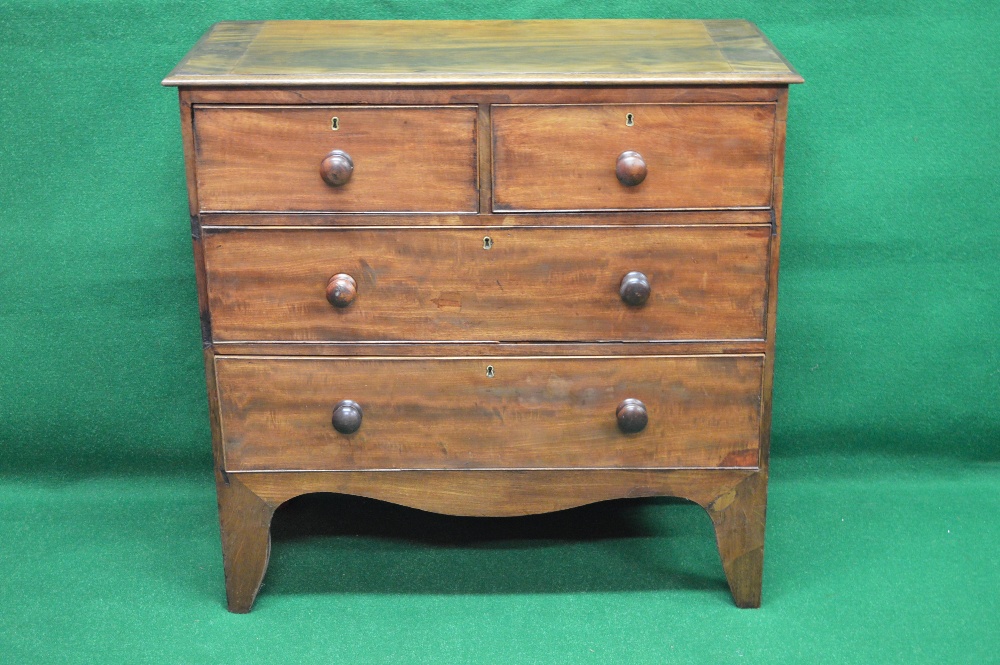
x=634, y=289
x=341, y=289
x=347, y=417
x=632, y=416
x=336, y=168
x=630, y=168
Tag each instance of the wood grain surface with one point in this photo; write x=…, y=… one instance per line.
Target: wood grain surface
x=393, y=53
x=476, y=350
x=563, y=157
x=457, y=131
x=406, y=159
x=486, y=95
x=739, y=516
x=734, y=499
x=245, y=524
x=532, y=284
x=498, y=492
x=487, y=218
x=462, y=413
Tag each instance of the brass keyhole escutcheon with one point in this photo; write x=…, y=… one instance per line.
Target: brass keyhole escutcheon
x=489, y=372
x=335, y=123
x=629, y=119
x=487, y=242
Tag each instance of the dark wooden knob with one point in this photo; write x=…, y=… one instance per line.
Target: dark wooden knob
x=347, y=417
x=630, y=168
x=341, y=289
x=336, y=168
x=632, y=416
x=634, y=289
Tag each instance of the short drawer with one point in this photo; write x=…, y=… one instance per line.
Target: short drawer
x=526, y=284
x=689, y=156
x=459, y=413
x=395, y=159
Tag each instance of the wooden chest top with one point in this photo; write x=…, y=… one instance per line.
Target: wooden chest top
x=397, y=53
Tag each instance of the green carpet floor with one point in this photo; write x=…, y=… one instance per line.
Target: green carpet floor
x=863, y=565
x=884, y=515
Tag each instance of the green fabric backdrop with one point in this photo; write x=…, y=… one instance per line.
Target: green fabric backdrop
x=883, y=518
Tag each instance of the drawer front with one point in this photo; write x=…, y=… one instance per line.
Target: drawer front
x=405, y=159
x=534, y=284
x=693, y=156
x=458, y=413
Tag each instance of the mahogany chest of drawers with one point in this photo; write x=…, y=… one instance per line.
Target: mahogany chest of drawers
x=487, y=268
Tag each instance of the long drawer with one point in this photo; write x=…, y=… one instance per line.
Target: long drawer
x=567, y=157
x=527, y=284
x=459, y=413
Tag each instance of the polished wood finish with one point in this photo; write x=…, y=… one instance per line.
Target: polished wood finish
x=336, y=168
x=630, y=167
x=417, y=349
x=561, y=157
x=500, y=493
x=488, y=219
x=341, y=290
x=499, y=377
x=772, y=305
x=739, y=516
x=393, y=53
x=733, y=498
x=634, y=289
x=405, y=159
x=347, y=416
x=532, y=284
x=632, y=416
x=454, y=413
x=422, y=95
x=245, y=522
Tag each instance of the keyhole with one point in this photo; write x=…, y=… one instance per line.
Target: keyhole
x=487, y=242
x=489, y=371
x=335, y=123
x=629, y=120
